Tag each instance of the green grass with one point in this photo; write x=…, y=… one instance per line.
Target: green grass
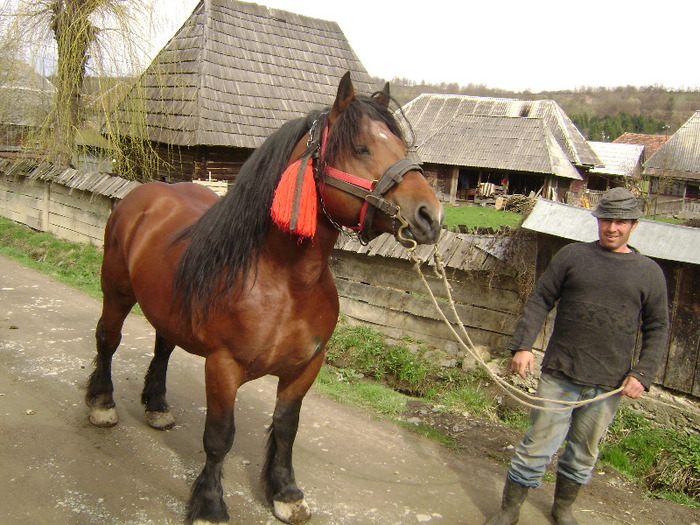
x=664, y=461
x=480, y=217
x=72, y=263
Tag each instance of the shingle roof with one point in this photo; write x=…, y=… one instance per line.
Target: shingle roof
x=427, y=113
x=80, y=179
x=651, y=143
x=235, y=72
x=505, y=143
x=619, y=159
x=680, y=155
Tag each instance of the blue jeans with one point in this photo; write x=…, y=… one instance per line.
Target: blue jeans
x=582, y=429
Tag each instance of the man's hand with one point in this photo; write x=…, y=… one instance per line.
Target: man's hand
x=632, y=388
x=522, y=361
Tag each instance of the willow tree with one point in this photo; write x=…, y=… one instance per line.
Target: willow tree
x=103, y=37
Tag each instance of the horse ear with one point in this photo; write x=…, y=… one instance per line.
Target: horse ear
x=346, y=94
x=383, y=97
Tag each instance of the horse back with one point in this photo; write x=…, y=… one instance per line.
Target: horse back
x=140, y=253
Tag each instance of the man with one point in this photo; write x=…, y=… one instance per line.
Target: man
x=604, y=289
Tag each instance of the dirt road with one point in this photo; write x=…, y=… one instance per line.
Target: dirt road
x=55, y=468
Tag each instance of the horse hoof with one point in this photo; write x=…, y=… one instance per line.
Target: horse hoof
x=103, y=417
x=293, y=512
x=161, y=420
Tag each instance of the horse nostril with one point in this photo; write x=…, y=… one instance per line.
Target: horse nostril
x=428, y=220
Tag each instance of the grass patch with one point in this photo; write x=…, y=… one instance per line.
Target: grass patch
x=75, y=264
x=480, y=217
x=664, y=461
x=360, y=353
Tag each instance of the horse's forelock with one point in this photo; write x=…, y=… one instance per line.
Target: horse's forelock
x=347, y=126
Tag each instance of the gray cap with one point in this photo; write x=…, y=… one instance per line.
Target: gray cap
x=618, y=203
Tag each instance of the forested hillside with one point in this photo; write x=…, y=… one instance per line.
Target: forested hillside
x=601, y=114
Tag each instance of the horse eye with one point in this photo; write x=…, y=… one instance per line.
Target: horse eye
x=363, y=150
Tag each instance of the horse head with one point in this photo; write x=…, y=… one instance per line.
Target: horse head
x=368, y=182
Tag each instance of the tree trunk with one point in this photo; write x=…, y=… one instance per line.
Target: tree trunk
x=73, y=33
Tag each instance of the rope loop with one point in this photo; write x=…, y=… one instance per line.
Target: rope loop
x=465, y=341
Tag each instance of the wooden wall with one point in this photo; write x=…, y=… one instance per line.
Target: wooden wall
x=200, y=162
x=69, y=214
x=388, y=294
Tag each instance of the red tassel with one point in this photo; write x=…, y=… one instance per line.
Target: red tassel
x=283, y=201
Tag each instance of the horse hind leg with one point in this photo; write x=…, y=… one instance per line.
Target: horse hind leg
x=158, y=414
x=100, y=389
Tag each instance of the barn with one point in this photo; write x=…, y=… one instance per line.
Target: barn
x=230, y=76
x=476, y=147
x=622, y=166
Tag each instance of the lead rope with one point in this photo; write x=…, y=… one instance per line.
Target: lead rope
x=518, y=395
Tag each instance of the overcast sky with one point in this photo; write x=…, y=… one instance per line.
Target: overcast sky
x=516, y=45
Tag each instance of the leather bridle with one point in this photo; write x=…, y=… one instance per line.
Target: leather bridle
x=371, y=192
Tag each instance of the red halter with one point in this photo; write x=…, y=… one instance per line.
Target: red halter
x=372, y=192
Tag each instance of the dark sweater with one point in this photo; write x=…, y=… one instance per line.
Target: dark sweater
x=603, y=296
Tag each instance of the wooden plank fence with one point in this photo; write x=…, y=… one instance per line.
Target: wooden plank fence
x=379, y=286
x=71, y=204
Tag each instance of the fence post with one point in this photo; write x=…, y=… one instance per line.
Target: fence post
x=45, y=226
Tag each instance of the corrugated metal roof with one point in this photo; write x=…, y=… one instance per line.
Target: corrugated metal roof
x=620, y=159
x=680, y=155
x=496, y=142
x=235, y=72
x=428, y=113
x=655, y=239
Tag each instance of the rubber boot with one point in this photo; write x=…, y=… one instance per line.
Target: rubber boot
x=565, y=494
x=513, y=496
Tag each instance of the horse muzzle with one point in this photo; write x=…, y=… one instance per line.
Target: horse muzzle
x=422, y=226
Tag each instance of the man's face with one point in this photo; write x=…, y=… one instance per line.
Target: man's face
x=613, y=234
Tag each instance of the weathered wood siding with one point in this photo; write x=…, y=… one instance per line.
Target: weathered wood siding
x=180, y=163
x=378, y=286
x=71, y=204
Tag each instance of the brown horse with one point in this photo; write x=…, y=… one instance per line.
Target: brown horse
x=221, y=279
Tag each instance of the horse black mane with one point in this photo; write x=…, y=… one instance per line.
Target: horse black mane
x=224, y=244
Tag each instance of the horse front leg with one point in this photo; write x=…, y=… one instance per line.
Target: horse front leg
x=281, y=490
x=223, y=378
x=158, y=414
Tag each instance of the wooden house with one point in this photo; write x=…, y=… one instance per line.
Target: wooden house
x=473, y=146
x=651, y=143
x=26, y=100
x=229, y=77
x=674, y=171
